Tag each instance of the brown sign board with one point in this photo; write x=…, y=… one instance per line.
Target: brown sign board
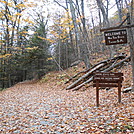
x=115, y=37
x=107, y=79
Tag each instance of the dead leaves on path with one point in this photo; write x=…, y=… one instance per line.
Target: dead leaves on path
x=38, y=109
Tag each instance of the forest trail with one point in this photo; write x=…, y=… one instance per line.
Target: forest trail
x=46, y=108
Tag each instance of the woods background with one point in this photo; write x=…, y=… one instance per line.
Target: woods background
x=41, y=36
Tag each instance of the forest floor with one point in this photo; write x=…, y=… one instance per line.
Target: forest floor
x=46, y=107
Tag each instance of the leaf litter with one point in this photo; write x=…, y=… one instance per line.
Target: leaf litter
x=46, y=108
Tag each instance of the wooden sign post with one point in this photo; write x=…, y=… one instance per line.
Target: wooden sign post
x=131, y=39
x=107, y=79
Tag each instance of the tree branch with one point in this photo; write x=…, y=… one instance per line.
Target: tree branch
x=61, y=5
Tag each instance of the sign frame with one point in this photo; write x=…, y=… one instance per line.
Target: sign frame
x=107, y=79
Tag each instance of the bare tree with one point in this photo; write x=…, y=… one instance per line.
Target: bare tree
x=104, y=11
x=119, y=4
x=80, y=32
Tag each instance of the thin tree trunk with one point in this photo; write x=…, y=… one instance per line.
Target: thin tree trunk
x=70, y=33
x=131, y=40
x=75, y=26
x=59, y=59
x=118, y=3
x=104, y=12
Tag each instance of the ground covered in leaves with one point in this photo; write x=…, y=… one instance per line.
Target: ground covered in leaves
x=46, y=108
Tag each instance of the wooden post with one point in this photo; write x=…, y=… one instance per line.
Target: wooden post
x=131, y=39
x=97, y=93
x=117, y=27
x=119, y=91
x=131, y=44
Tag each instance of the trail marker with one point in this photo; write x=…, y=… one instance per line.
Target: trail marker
x=107, y=79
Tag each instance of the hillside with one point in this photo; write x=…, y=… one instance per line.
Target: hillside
x=45, y=107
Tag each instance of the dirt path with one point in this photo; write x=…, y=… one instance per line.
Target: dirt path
x=46, y=109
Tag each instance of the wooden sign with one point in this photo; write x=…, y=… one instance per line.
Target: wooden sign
x=115, y=37
x=108, y=79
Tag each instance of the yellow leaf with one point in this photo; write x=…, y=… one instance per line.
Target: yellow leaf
x=9, y=16
x=31, y=22
x=126, y=119
x=49, y=58
x=20, y=6
x=103, y=41
x=4, y=56
x=31, y=4
x=24, y=32
x=41, y=38
x=18, y=14
x=124, y=17
x=10, y=4
x=29, y=48
x=3, y=2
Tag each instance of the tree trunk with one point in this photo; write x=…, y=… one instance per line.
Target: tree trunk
x=131, y=40
x=75, y=26
x=104, y=12
x=119, y=7
x=84, y=54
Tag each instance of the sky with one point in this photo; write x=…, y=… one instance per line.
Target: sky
x=88, y=7
x=52, y=8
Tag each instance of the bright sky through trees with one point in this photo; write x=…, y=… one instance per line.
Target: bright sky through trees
x=51, y=8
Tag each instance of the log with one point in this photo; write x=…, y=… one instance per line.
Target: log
x=109, y=61
x=126, y=90
x=85, y=71
x=86, y=75
x=82, y=84
x=74, y=76
x=117, y=64
x=121, y=56
x=106, y=70
x=114, y=61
